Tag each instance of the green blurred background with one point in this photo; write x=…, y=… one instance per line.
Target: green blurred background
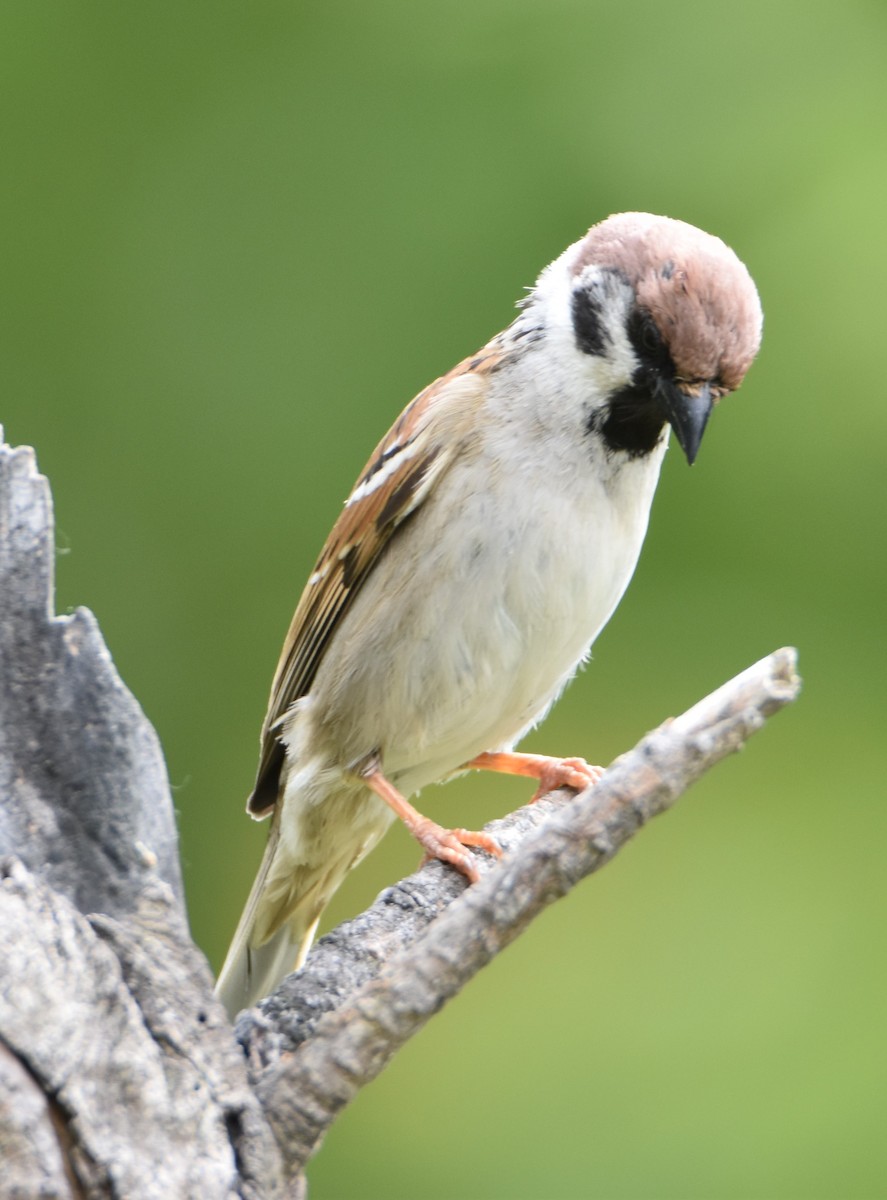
x=237, y=238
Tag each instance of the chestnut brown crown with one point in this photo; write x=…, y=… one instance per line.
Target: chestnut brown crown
x=696, y=290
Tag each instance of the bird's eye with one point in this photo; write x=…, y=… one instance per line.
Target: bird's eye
x=648, y=342
x=650, y=337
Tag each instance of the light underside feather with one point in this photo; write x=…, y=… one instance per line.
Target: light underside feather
x=408, y=462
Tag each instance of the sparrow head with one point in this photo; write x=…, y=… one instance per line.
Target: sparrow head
x=674, y=312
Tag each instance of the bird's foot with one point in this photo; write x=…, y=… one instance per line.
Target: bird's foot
x=449, y=845
x=550, y=772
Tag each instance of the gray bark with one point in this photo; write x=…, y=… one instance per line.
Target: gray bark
x=120, y=1074
x=123, y=1078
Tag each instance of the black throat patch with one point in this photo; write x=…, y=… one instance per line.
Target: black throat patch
x=632, y=420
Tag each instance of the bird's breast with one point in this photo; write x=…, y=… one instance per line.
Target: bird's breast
x=480, y=611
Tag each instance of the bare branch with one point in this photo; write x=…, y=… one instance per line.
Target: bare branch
x=379, y=979
x=120, y=1072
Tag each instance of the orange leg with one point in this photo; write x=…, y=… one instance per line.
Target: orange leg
x=551, y=772
x=446, y=844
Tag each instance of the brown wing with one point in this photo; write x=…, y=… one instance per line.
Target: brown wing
x=401, y=473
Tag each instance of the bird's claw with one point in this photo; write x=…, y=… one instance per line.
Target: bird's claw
x=565, y=772
x=448, y=845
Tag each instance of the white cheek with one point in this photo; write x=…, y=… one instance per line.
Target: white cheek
x=597, y=374
x=614, y=372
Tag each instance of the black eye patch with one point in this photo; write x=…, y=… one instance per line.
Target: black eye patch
x=648, y=343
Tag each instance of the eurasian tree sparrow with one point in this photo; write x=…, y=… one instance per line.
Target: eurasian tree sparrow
x=482, y=550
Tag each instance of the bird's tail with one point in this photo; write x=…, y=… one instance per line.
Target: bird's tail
x=273, y=936
x=296, y=880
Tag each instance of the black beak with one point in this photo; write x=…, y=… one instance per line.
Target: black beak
x=687, y=413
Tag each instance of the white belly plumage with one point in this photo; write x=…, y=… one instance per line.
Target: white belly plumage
x=454, y=688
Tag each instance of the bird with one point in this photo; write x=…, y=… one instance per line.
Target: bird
x=481, y=551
